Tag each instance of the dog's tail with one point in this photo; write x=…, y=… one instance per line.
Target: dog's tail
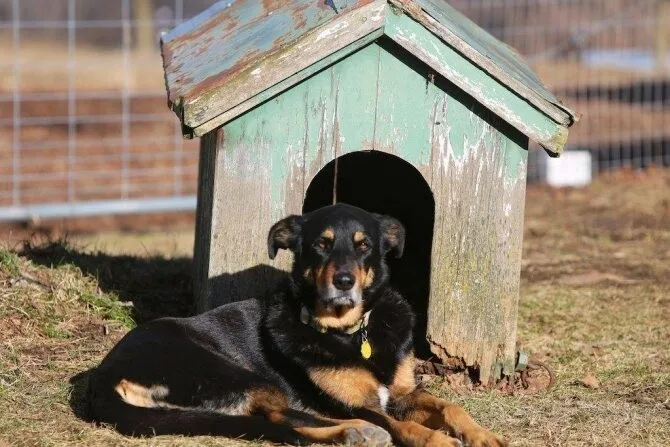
x=140, y=421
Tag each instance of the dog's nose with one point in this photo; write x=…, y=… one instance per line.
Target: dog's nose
x=343, y=281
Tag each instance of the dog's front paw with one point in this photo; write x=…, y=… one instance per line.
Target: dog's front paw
x=368, y=436
x=440, y=439
x=483, y=438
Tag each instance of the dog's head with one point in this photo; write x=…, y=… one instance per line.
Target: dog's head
x=339, y=259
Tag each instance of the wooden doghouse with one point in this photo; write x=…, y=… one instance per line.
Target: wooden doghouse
x=400, y=107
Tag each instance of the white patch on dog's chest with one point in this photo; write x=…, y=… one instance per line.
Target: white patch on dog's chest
x=383, y=394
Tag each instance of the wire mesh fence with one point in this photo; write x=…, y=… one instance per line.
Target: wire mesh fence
x=83, y=116
x=84, y=126
x=607, y=59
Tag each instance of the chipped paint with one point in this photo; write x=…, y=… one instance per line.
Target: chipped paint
x=326, y=33
x=484, y=50
x=223, y=44
x=455, y=67
x=470, y=151
x=232, y=53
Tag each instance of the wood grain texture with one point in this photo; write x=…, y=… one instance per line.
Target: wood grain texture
x=203, y=223
x=484, y=50
x=472, y=79
x=478, y=178
x=278, y=46
x=280, y=86
x=380, y=98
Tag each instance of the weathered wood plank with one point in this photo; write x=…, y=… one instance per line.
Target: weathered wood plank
x=203, y=221
x=478, y=180
x=472, y=79
x=266, y=160
x=498, y=59
x=405, y=96
x=285, y=84
x=295, y=51
x=222, y=40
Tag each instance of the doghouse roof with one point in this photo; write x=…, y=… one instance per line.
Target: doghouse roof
x=239, y=53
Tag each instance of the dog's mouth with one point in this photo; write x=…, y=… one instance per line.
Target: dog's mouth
x=331, y=297
x=338, y=313
x=339, y=301
x=336, y=308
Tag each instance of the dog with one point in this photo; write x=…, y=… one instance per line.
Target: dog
x=327, y=358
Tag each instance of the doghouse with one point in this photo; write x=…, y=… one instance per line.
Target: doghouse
x=400, y=107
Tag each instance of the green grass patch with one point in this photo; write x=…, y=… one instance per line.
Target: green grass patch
x=108, y=307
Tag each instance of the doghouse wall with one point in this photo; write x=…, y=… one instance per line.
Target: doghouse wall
x=257, y=168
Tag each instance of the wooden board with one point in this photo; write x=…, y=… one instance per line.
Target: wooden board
x=460, y=70
x=216, y=63
x=379, y=98
x=235, y=56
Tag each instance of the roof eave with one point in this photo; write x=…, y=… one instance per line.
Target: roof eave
x=407, y=24
x=283, y=68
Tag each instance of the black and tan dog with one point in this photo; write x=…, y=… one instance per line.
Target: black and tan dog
x=327, y=358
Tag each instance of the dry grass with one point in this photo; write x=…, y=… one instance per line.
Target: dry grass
x=595, y=300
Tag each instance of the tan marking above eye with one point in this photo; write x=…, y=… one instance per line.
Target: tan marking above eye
x=328, y=233
x=359, y=236
x=369, y=277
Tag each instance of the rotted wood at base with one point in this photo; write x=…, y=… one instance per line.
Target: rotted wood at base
x=479, y=204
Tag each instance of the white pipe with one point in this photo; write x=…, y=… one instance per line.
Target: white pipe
x=35, y=213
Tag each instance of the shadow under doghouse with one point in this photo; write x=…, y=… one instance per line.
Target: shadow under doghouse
x=156, y=286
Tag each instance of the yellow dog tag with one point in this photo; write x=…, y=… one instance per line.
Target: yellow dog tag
x=366, y=349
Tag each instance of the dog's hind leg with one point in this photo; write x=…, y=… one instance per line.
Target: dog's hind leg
x=133, y=420
x=273, y=405
x=324, y=430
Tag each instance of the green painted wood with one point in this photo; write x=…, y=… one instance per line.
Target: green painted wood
x=405, y=98
x=269, y=154
x=473, y=80
x=379, y=98
x=478, y=181
x=284, y=85
x=501, y=61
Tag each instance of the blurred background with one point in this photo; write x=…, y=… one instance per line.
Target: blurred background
x=85, y=129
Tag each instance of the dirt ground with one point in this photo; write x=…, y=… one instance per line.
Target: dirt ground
x=595, y=307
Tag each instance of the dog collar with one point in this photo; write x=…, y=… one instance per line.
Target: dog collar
x=307, y=318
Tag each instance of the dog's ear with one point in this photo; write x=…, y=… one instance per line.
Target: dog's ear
x=393, y=235
x=284, y=234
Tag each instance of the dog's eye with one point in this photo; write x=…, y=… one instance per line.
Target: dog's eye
x=324, y=244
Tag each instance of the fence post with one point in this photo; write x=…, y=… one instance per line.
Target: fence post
x=661, y=39
x=145, y=33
